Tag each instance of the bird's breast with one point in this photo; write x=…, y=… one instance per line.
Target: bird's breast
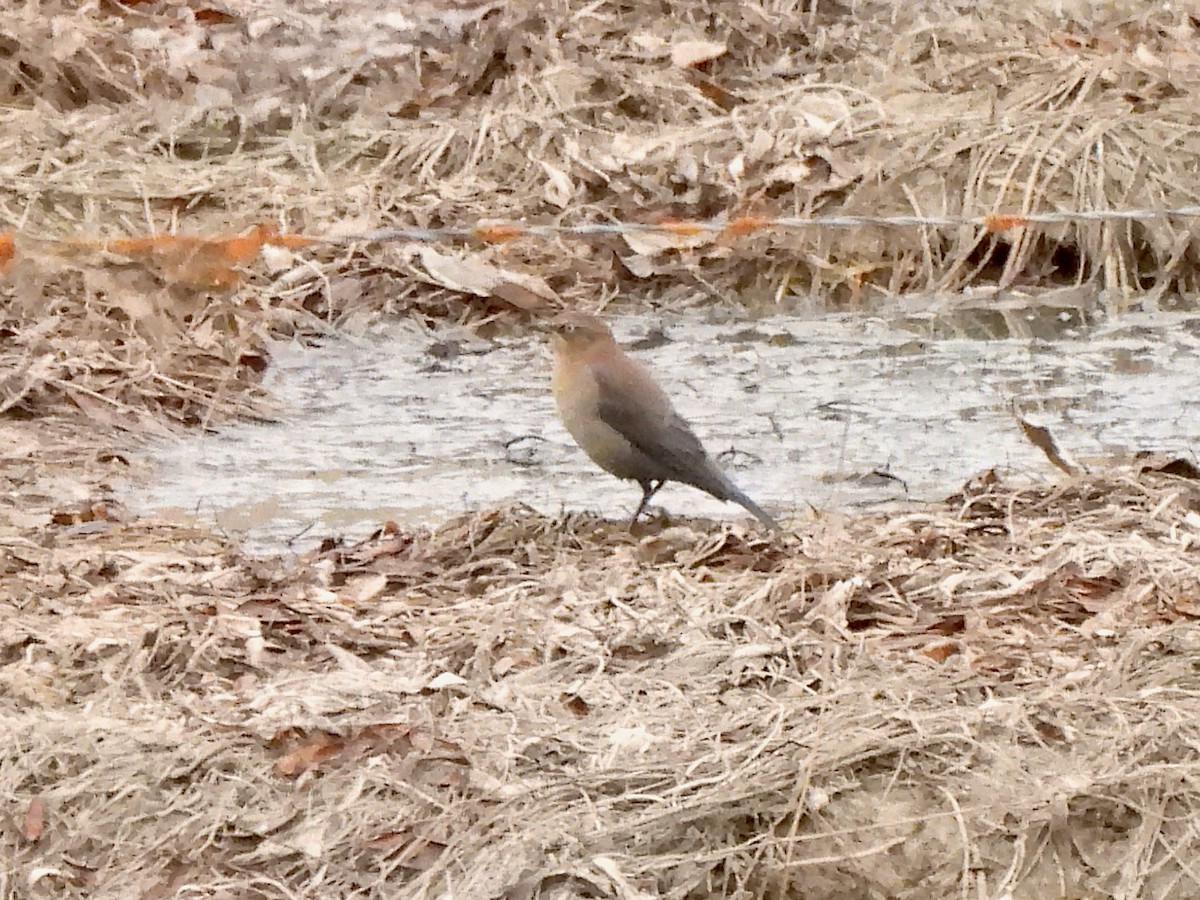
x=577, y=395
x=576, y=392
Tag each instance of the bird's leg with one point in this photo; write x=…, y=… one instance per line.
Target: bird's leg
x=649, y=489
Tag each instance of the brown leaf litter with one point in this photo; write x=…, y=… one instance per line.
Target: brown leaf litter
x=991, y=696
x=510, y=705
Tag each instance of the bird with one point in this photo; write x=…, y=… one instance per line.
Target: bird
x=616, y=412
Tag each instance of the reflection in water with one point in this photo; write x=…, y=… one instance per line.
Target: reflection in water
x=815, y=410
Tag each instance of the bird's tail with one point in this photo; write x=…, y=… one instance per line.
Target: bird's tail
x=754, y=509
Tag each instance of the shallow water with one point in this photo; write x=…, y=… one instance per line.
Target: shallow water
x=407, y=425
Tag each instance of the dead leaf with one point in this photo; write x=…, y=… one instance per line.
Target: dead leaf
x=471, y=275
x=947, y=625
x=1150, y=461
x=397, y=738
x=213, y=16
x=1041, y=438
x=576, y=705
x=35, y=820
x=319, y=749
x=468, y=276
x=686, y=54
x=418, y=853
x=1186, y=605
x=559, y=191
x=710, y=88
x=522, y=297
x=639, y=266
x=7, y=251
x=99, y=511
x=942, y=651
x=1143, y=55
x=672, y=236
x=365, y=588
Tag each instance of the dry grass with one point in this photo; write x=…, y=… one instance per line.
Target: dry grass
x=165, y=118
x=993, y=697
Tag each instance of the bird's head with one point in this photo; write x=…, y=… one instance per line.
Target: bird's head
x=575, y=330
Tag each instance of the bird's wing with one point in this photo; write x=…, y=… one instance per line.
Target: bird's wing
x=657, y=431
